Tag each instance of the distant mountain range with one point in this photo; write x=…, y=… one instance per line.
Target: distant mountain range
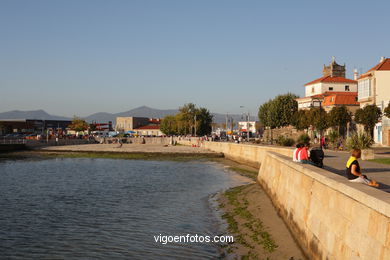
x=142, y=111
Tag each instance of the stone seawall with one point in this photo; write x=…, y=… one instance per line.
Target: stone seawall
x=252, y=155
x=330, y=217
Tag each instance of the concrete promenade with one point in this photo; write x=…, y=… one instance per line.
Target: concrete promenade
x=335, y=162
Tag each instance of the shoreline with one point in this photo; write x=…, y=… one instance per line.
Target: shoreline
x=245, y=210
x=249, y=215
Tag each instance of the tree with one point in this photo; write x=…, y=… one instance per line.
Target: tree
x=204, y=120
x=78, y=124
x=264, y=114
x=340, y=117
x=301, y=119
x=368, y=116
x=283, y=109
x=4, y=128
x=187, y=120
x=319, y=119
x=169, y=125
x=386, y=111
x=187, y=117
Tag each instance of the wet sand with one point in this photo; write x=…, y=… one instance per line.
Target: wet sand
x=258, y=230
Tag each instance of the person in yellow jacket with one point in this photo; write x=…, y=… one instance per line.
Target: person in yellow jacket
x=353, y=171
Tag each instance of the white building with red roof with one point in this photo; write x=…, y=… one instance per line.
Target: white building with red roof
x=374, y=88
x=333, y=82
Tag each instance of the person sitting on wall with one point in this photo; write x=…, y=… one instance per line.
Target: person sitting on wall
x=303, y=155
x=353, y=170
x=296, y=151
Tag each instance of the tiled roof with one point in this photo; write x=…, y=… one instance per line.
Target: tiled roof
x=341, y=99
x=148, y=127
x=384, y=65
x=329, y=79
x=365, y=76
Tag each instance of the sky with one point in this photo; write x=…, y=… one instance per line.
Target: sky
x=78, y=57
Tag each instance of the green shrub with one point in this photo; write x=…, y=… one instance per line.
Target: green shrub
x=333, y=137
x=285, y=141
x=303, y=138
x=359, y=141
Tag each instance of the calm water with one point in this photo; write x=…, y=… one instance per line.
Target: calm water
x=107, y=209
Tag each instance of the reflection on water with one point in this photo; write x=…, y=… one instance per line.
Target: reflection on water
x=107, y=209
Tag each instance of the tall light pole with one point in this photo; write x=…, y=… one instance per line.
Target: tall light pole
x=195, y=124
x=247, y=123
x=320, y=117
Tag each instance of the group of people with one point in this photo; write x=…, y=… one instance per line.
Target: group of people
x=302, y=153
x=353, y=172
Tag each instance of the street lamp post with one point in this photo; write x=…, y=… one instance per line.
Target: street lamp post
x=320, y=117
x=247, y=123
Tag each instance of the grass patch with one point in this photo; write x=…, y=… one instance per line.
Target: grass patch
x=252, y=174
x=251, y=231
x=381, y=160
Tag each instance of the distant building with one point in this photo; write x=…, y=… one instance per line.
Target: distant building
x=140, y=125
x=245, y=126
x=374, y=88
x=333, y=82
x=148, y=130
x=28, y=126
x=124, y=124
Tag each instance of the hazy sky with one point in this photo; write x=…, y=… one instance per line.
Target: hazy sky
x=80, y=57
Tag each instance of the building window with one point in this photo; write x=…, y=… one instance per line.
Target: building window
x=330, y=88
x=346, y=88
x=364, y=89
x=312, y=90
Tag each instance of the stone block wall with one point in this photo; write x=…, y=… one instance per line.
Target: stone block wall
x=330, y=217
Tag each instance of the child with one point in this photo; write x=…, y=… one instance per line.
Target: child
x=353, y=170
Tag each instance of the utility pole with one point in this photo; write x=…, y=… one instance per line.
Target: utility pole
x=226, y=126
x=247, y=128
x=195, y=124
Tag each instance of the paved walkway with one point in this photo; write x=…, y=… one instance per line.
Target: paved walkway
x=335, y=162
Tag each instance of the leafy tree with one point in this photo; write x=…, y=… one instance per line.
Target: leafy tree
x=92, y=127
x=169, y=125
x=304, y=139
x=204, y=120
x=187, y=120
x=265, y=114
x=319, y=119
x=2, y=128
x=301, y=119
x=283, y=109
x=339, y=117
x=278, y=112
x=386, y=111
x=333, y=137
x=78, y=124
x=368, y=116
